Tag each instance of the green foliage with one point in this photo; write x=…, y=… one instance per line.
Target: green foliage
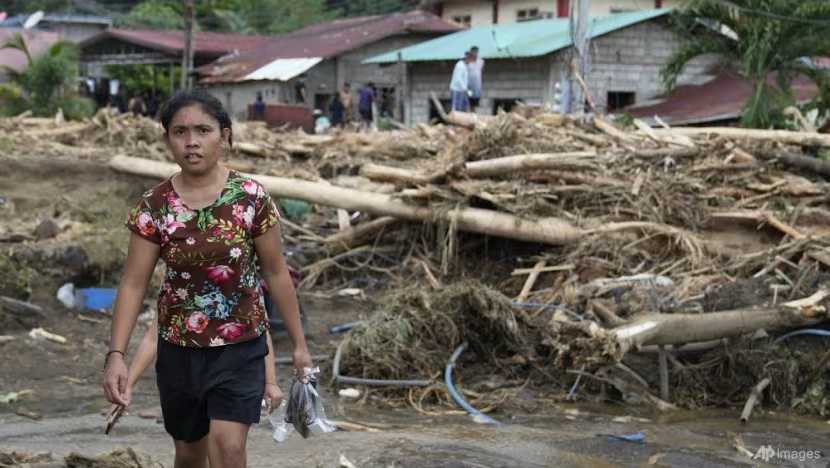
x=47, y=80
x=136, y=79
x=48, y=75
x=78, y=108
x=756, y=38
x=154, y=14
x=12, y=101
x=375, y=7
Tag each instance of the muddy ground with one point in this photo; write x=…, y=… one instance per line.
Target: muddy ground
x=89, y=202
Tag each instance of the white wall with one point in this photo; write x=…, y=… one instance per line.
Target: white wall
x=482, y=10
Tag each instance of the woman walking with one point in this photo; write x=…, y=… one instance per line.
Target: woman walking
x=212, y=227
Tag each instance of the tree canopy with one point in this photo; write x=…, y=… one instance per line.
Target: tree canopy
x=759, y=39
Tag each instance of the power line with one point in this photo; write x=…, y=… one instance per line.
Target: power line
x=777, y=16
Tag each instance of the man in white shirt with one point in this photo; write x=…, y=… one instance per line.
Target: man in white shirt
x=459, y=85
x=474, y=69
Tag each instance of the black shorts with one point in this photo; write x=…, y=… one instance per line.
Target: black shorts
x=366, y=115
x=197, y=385
x=474, y=101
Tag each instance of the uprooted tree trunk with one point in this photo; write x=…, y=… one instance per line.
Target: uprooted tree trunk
x=672, y=329
x=551, y=231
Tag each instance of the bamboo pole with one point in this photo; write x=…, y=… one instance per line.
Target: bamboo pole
x=552, y=231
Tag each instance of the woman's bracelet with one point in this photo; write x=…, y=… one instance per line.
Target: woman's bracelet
x=106, y=358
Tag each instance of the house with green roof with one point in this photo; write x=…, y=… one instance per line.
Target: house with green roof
x=528, y=61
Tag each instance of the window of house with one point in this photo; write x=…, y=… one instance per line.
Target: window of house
x=527, y=14
x=463, y=20
x=620, y=99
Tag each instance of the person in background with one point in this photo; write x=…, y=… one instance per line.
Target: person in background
x=259, y=107
x=337, y=110
x=321, y=122
x=137, y=106
x=459, y=85
x=366, y=100
x=346, y=100
x=474, y=70
x=299, y=90
x=119, y=101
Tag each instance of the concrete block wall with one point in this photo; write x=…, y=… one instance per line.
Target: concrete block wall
x=630, y=60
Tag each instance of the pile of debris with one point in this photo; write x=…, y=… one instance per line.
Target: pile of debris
x=593, y=247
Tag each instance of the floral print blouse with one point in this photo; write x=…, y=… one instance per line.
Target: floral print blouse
x=211, y=294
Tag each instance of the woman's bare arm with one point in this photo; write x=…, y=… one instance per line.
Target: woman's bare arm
x=276, y=275
x=142, y=256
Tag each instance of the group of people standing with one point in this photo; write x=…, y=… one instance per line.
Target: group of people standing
x=341, y=108
x=465, y=86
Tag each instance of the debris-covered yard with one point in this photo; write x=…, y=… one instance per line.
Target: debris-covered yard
x=656, y=272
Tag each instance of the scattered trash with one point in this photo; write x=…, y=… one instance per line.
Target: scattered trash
x=41, y=334
x=86, y=298
x=349, y=393
x=351, y=292
x=343, y=328
x=630, y=419
x=345, y=463
x=3, y=201
x=639, y=437
x=12, y=397
x=66, y=295
x=97, y=298
x=28, y=414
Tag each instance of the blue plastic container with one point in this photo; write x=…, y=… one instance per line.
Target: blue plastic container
x=97, y=298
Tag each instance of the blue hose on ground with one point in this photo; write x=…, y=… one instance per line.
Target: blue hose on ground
x=806, y=331
x=477, y=415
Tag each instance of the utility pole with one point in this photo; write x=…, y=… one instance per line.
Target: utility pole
x=580, y=58
x=187, y=56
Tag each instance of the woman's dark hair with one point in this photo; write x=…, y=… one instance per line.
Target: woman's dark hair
x=198, y=96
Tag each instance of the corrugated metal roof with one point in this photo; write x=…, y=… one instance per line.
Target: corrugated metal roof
x=172, y=42
x=284, y=69
x=324, y=40
x=722, y=98
x=18, y=20
x=526, y=39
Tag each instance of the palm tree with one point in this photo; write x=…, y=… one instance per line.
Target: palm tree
x=757, y=38
x=46, y=77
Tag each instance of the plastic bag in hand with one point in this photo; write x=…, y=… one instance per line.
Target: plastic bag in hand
x=303, y=411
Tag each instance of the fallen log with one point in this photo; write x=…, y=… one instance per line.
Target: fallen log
x=467, y=119
x=578, y=160
x=353, y=236
x=251, y=149
x=807, y=163
x=395, y=174
x=530, y=162
x=673, y=329
x=777, y=136
x=551, y=231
